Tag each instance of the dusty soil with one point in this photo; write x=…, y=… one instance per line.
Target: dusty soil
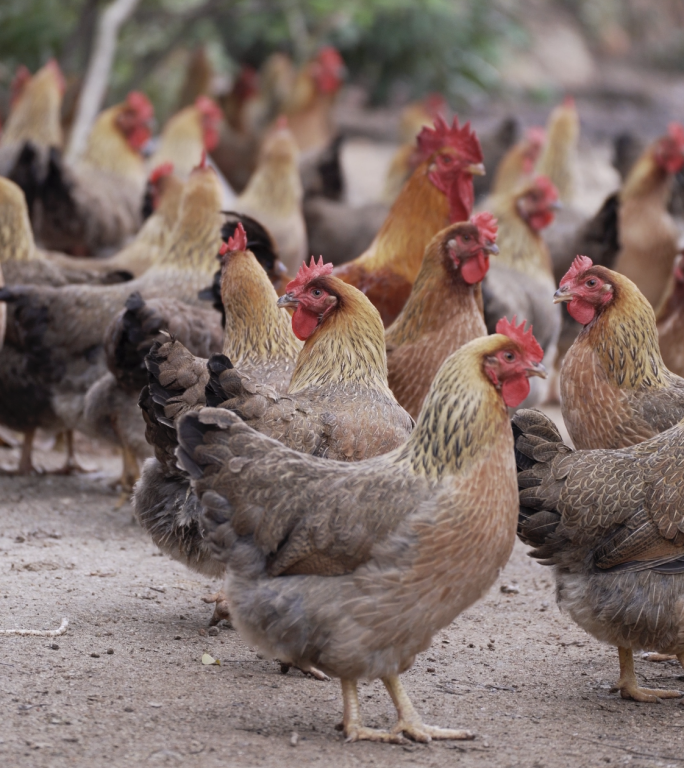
x=125, y=685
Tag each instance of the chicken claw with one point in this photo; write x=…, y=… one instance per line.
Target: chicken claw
x=221, y=610
x=629, y=686
x=309, y=670
x=351, y=720
x=656, y=657
x=409, y=721
x=71, y=465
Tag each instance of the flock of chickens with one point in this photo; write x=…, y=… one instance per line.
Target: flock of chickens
x=335, y=442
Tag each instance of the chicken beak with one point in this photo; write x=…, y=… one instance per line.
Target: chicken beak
x=476, y=169
x=561, y=295
x=537, y=369
x=491, y=248
x=288, y=300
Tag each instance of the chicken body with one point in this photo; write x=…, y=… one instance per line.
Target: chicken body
x=438, y=192
x=96, y=202
x=610, y=522
x=274, y=195
x=670, y=322
x=441, y=314
x=615, y=388
x=353, y=567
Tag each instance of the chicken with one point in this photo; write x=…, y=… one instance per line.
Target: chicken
x=615, y=388
x=439, y=192
x=442, y=313
x=164, y=192
x=517, y=165
x=23, y=263
x=187, y=135
x=111, y=405
x=610, y=523
x=274, y=197
x=309, y=105
x=558, y=159
x=95, y=203
x=33, y=126
x=520, y=278
x=670, y=321
x=59, y=350
x=353, y=568
x=647, y=232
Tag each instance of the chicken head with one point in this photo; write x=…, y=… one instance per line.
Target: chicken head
x=538, y=202
x=311, y=300
x=469, y=245
x=586, y=288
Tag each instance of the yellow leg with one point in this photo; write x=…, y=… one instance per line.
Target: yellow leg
x=409, y=720
x=130, y=472
x=629, y=686
x=25, y=462
x=71, y=465
x=351, y=720
x=221, y=610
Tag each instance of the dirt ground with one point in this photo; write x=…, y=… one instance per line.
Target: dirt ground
x=125, y=686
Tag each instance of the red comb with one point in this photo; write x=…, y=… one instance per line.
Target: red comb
x=238, y=240
x=545, y=185
x=676, y=132
x=307, y=274
x=486, y=224
x=224, y=248
x=579, y=265
x=523, y=337
x=431, y=140
x=329, y=58
x=164, y=169
x=141, y=105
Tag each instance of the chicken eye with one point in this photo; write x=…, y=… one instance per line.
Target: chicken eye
x=316, y=292
x=466, y=238
x=509, y=357
x=591, y=283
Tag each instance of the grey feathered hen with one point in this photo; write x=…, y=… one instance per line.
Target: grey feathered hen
x=612, y=525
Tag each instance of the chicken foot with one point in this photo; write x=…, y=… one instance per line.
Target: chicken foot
x=26, y=466
x=221, y=610
x=629, y=686
x=71, y=465
x=409, y=722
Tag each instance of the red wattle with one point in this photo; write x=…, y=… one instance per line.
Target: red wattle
x=515, y=390
x=211, y=139
x=304, y=323
x=582, y=311
x=541, y=220
x=474, y=270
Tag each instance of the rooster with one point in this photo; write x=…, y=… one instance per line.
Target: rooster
x=353, y=568
x=96, y=203
x=61, y=331
x=670, y=320
x=274, y=196
x=610, y=523
x=439, y=192
x=187, y=135
x=520, y=278
x=442, y=313
x=32, y=128
x=615, y=388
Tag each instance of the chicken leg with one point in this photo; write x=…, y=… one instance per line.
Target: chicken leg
x=629, y=686
x=409, y=722
x=71, y=465
x=26, y=466
x=221, y=610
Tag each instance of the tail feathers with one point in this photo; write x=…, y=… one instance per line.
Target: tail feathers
x=543, y=462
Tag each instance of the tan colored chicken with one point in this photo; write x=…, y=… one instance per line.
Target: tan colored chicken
x=33, y=118
x=309, y=105
x=60, y=332
x=520, y=278
x=517, y=165
x=558, y=159
x=610, y=523
x=352, y=568
x=274, y=196
x=648, y=235
x=96, y=203
x=439, y=192
x=187, y=135
x=442, y=313
x=670, y=321
x=615, y=388
x=165, y=190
